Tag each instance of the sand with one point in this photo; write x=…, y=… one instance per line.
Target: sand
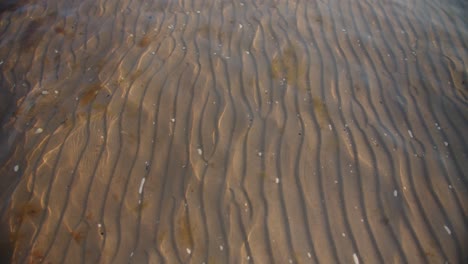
x=206, y=131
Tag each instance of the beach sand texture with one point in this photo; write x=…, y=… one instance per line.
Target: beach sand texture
x=210, y=131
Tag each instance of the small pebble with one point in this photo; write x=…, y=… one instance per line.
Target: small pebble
x=277, y=180
x=16, y=168
x=189, y=251
x=39, y=130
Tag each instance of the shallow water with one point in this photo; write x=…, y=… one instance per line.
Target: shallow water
x=211, y=131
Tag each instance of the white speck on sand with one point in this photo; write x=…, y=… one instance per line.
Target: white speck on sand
x=410, y=133
x=200, y=151
x=221, y=247
x=277, y=180
x=446, y=143
x=355, y=258
x=240, y=26
x=343, y=234
x=309, y=255
x=395, y=193
x=39, y=130
x=260, y=154
x=45, y=92
x=330, y=127
x=447, y=229
x=173, y=120
x=16, y=168
x=189, y=251
x=142, y=183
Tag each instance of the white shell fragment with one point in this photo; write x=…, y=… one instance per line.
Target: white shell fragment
x=448, y=230
x=16, y=168
x=39, y=130
x=410, y=133
x=142, y=183
x=355, y=258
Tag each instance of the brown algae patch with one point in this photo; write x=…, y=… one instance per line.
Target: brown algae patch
x=183, y=232
x=77, y=236
x=321, y=112
x=144, y=41
x=35, y=32
x=285, y=65
x=90, y=93
x=31, y=34
x=27, y=210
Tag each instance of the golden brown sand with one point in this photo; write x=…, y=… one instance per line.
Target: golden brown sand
x=208, y=131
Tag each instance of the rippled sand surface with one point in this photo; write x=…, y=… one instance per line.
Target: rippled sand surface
x=209, y=131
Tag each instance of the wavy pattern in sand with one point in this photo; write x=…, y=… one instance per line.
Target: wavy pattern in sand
x=234, y=131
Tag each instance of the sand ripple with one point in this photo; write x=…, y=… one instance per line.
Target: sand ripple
x=206, y=131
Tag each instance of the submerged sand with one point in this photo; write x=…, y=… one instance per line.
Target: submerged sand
x=208, y=131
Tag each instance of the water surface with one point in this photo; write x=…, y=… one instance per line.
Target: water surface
x=206, y=131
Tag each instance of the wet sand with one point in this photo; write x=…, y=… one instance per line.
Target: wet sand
x=233, y=132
